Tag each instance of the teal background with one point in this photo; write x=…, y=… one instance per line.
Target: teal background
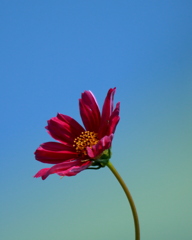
x=51, y=51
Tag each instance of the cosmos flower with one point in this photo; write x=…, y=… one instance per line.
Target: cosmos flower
x=79, y=148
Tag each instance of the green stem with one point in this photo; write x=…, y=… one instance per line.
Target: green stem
x=130, y=199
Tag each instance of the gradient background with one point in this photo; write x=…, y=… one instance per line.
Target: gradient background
x=51, y=51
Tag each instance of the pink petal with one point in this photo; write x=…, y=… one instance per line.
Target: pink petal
x=75, y=170
x=69, y=168
x=103, y=144
x=106, y=112
x=89, y=111
x=114, y=119
x=56, y=146
x=108, y=104
x=90, y=101
x=86, y=116
x=61, y=131
x=53, y=152
x=75, y=127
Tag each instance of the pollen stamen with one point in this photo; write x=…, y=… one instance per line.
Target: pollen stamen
x=85, y=139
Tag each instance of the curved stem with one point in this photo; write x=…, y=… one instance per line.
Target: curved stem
x=130, y=199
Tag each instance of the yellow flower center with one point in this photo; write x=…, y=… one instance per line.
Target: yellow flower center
x=86, y=139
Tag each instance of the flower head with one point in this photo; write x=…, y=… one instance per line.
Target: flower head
x=78, y=148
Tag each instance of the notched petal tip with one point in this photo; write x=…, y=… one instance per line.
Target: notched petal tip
x=41, y=173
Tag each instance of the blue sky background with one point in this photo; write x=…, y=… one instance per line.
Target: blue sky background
x=51, y=51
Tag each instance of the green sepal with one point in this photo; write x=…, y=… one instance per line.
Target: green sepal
x=103, y=159
x=106, y=154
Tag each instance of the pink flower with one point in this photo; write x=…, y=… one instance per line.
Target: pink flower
x=79, y=148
